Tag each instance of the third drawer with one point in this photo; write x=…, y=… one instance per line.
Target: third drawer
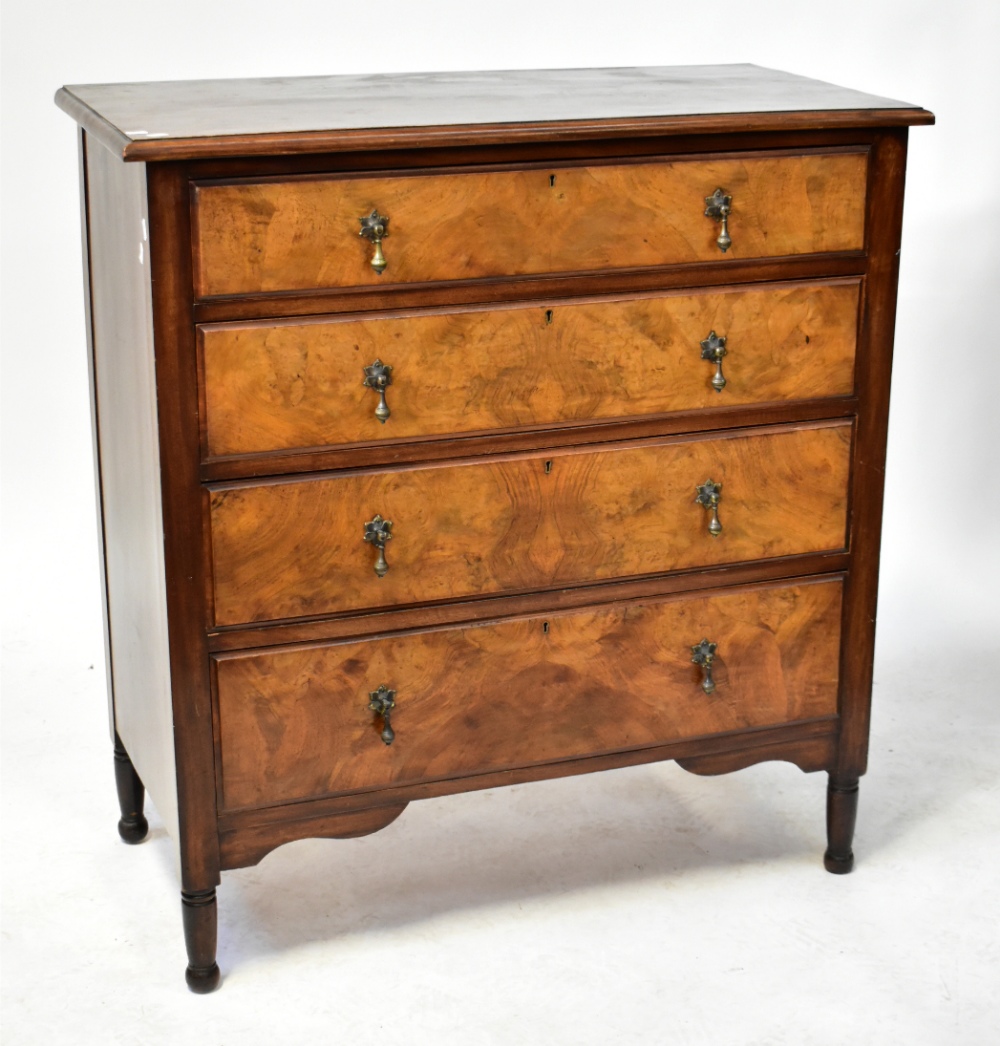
x=309, y=546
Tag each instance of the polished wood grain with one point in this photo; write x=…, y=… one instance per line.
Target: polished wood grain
x=295, y=548
x=266, y=236
x=381, y=621
x=427, y=449
x=129, y=454
x=295, y=723
x=768, y=742
x=83, y=144
x=546, y=287
x=808, y=755
x=868, y=474
x=385, y=296
x=185, y=532
x=249, y=843
x=807, y=743
x=271, y=386
x=547, y=564
x=180, y=120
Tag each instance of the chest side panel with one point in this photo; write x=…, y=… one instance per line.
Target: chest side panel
x=128, y=442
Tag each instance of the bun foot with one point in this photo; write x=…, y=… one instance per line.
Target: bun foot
x=200, y=930
x=133, y=830
x=203, y=981
x=838, y=865
x=841, y=814
x=133, y=826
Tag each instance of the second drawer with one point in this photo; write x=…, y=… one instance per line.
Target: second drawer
x=300, y=383
x=310, y=546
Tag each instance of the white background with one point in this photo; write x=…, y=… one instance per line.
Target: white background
x=643, y=905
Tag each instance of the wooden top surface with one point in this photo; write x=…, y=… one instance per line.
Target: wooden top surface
x=202, y=118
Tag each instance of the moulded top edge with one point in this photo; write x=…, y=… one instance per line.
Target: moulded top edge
x=274, y=116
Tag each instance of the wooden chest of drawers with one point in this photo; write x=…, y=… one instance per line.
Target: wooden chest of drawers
x=465, y=430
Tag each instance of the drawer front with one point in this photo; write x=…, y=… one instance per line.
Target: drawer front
x=295, y=723
x=304, y=233
x=301, y=383
x=294, y=548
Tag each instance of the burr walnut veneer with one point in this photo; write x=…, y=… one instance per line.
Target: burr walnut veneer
x=456, y=431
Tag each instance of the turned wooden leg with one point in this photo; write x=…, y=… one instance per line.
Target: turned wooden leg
x=841, y=814
x=200, y=934
x=131, y=797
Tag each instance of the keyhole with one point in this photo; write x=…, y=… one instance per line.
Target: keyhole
x=545, y=627
x=548, y=467
x=548, y=315
x=552, y=180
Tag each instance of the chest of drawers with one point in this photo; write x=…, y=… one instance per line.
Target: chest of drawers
x=455, y=431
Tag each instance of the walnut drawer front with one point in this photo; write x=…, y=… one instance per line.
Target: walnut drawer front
x=295, y=723
x=290, y=548
x=269, y=235
x=300, y=383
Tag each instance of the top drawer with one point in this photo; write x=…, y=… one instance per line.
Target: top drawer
x=297, y=234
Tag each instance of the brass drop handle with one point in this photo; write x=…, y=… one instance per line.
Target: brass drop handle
x=703, y=656
x=382, y=702
x=377, y=533
x=379, y=377
x=375, y=228
x=709, y=495
x=713, y=348
x=718, y=207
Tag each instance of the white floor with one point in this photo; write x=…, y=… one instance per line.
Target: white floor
x=638, y=906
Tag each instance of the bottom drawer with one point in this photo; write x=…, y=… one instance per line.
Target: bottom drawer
x=295, y=723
